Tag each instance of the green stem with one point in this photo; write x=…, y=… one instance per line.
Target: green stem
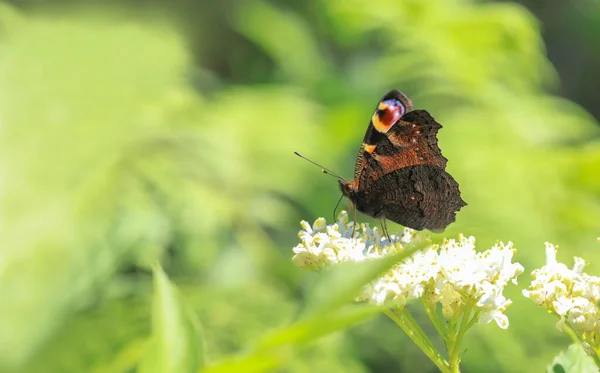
x=452, y=324
x=596, y=358
x=571, y=334
x=439, y=325
x=416, y=334
x=407, y=316
x=415, y=331
x=456, y=341
x=474, y=319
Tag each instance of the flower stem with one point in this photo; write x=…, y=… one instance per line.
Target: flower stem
x=416, y=334
x=439, y=325
x=407, y=316
x=596, y=358
x=456, y=339
x=473, y=319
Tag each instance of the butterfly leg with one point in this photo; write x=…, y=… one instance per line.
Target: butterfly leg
x=384, y=229
x=354, y=221
x=335, y=217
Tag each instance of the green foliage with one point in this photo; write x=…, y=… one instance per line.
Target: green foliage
x=323, y=315
x=130, y=138
x=72, y=214
x=573, y=359
x=175, y=344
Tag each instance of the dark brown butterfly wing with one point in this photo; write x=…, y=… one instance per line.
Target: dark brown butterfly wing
x=411, y=141
x=419, y=197
x=400, y=170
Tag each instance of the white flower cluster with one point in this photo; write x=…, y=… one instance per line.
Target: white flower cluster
x=570, y=294
x=452, y=273
x=324, y=245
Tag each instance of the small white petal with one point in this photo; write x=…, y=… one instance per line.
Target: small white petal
x=497, y=316
x=319, y=224
x=579, y=265
x=550, y=254
x=306, y=227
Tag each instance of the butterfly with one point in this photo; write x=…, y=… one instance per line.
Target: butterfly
x=400, y=170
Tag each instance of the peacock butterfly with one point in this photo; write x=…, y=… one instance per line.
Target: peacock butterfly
x=400, y=171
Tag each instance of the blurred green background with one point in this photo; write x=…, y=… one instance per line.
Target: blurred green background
x=140, y=131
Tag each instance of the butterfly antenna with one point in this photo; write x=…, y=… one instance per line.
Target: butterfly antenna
x=323, y=169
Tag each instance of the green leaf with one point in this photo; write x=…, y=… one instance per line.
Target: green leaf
x=573, y=360
x=107, y=339
x=175, y=346
x=327, y=312
x=281, y=346
x=342, y=283
x=306, y=331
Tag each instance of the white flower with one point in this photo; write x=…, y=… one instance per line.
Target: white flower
x=570, y=294
x=476, y=277
x=452, y=274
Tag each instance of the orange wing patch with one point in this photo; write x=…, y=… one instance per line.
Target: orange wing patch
x=370, y=148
